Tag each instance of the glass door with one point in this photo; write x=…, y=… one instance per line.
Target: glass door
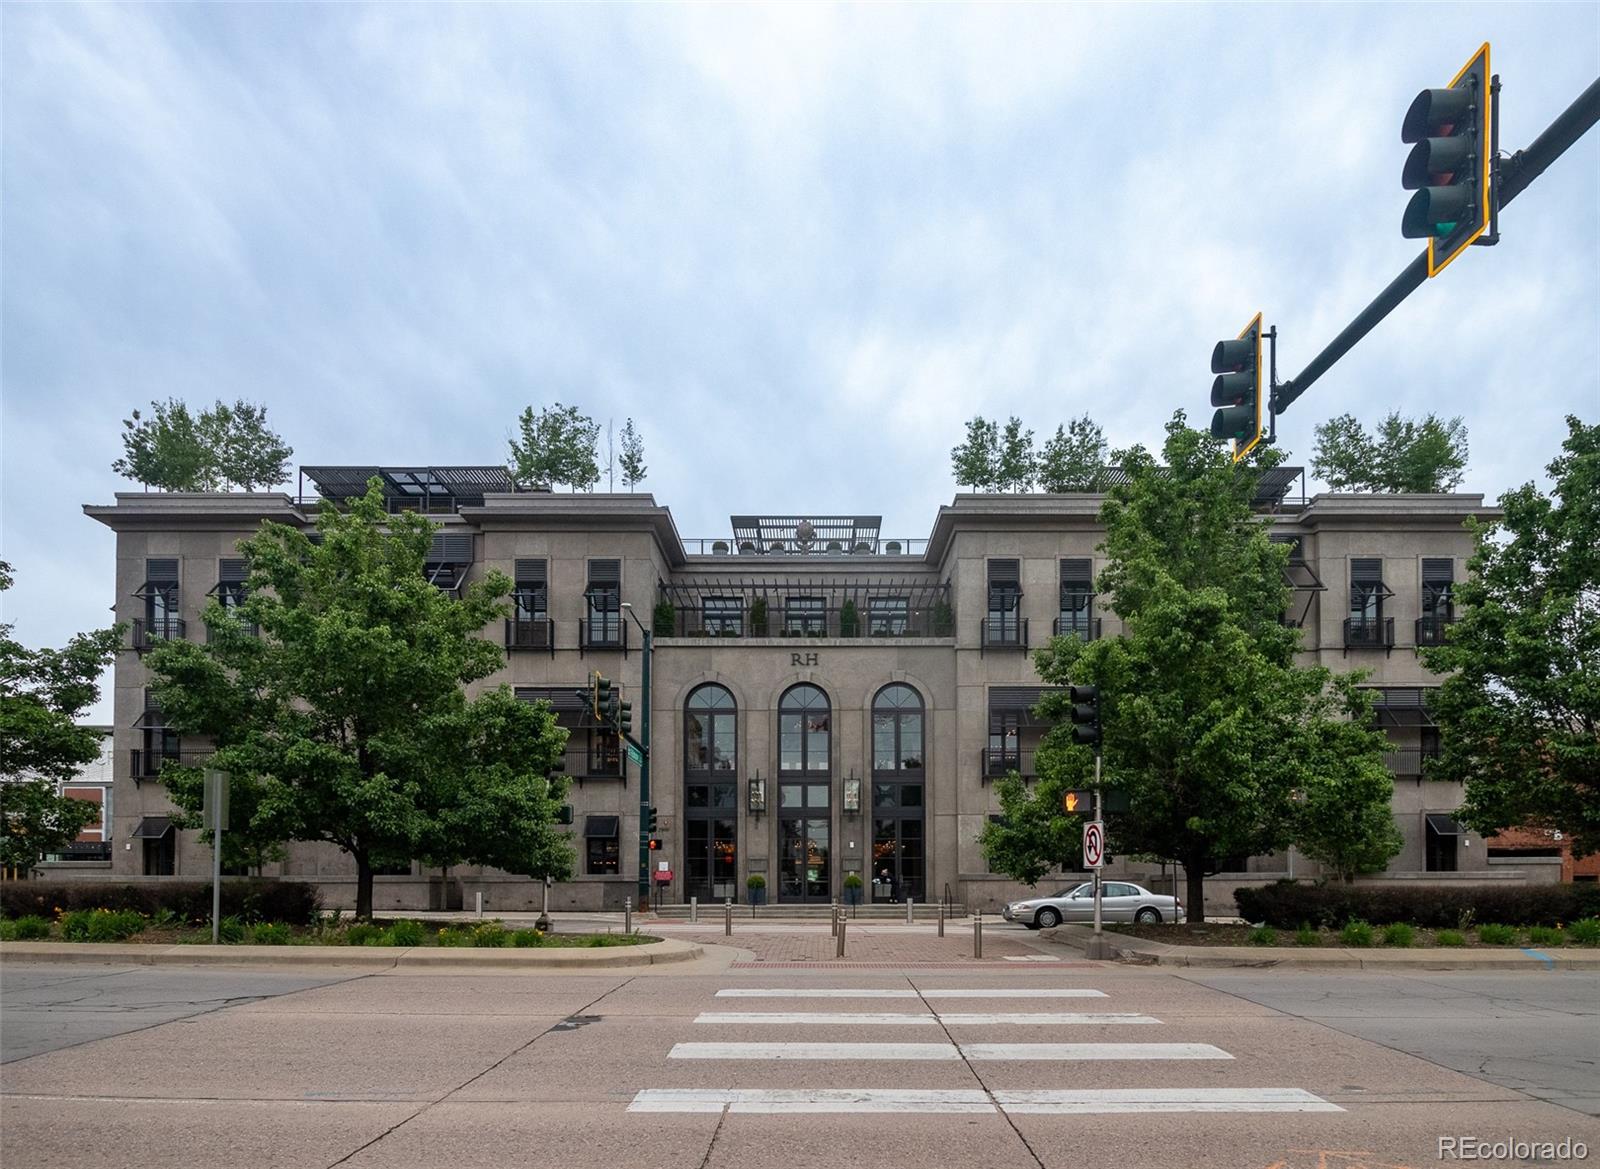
x=805, y=853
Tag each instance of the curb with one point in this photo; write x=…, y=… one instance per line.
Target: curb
x=361, y=957
x=1144, y=952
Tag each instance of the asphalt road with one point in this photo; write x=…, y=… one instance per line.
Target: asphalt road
x=662, y=1069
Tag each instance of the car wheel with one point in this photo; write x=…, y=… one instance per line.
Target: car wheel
x=1030, y=925
x=1147, y=916
x=1047, y=919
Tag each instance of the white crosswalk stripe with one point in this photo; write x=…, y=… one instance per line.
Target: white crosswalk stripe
x=884, y=1018
x=951, y=1100
x=1010, y=992
x=948, y=1051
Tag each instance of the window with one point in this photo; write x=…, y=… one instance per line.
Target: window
x=532, y=590
x=1003, y=624
x=1077, y=599
x=1366, y=591
x=888, y=616
x=1429, y=744
x=710, y=725
x=804, y=729
x=603, y=850
x=591, y=751
x=897, y=730
x=449, y=559
x=1441, y=832
x=723, y=616
x=603, y=598
x=1005, y=753
x=230, y=591
x=158, y=742
x=804, y=617
x=161, y=621
x=1438, y=604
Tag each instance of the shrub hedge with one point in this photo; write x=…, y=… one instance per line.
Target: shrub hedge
x=293, y=902
x=1286, y=904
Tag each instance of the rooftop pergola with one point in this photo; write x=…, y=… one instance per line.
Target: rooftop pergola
x=411, y=488
x=804, y=534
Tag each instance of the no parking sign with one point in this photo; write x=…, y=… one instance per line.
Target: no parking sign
x=1094, y=844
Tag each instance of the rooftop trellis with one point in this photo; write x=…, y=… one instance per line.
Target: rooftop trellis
x=408, y=488
x=805, y=533
x=920, y=592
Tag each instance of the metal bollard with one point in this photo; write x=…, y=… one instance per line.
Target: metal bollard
x=910, y=905
x=694, y=910
x=977, y=935
x=838, y=946
x=833, y=919
x=627, y=915
x=941, y=919
x=727, y=917
x=477, y=897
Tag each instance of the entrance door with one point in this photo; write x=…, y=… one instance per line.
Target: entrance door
x=805, y=836
x=710, y=858
x=897, y=860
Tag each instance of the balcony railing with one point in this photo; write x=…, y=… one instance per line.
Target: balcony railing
x=535, y=633
x=147, y=634
x=998, y=762
x=875, y=547
x=1088, y=629
x=1408, y=764
x=836, y=622
x=583, y=763
x=147, y=764
x=605, y=632
x=1007, y=632
x=1364, y=634
x=250, y=627
x=1431, y=630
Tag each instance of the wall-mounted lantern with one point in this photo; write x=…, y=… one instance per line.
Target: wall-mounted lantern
x=757, y=794
x=852, y=796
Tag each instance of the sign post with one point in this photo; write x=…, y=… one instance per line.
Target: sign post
x=215, y=813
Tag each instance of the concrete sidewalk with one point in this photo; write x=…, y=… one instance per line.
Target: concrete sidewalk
x=363, y=957
x=1145, y=952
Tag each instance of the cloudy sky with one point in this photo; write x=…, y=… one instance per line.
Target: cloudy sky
x=798, y=245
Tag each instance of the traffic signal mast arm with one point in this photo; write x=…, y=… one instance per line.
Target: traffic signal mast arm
x=1515, y=175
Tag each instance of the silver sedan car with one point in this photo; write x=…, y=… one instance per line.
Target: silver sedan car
x=1119, y=901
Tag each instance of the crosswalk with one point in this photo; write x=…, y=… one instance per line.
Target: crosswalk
x=950, y=1048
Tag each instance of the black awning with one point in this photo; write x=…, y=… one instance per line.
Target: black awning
x=153, y=828
x=1443, y=824
x=601, y=827
x=1016, y=703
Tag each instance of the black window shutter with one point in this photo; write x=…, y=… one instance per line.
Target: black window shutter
x=1077, y=574
x=451, y=548
x=1366, y=571
x=605, y=573
x=1004, y=574
x=161, y=571
x=1438, y=570
x=232, y=571
x=532, y=573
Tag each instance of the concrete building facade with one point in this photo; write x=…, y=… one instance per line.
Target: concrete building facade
x=825, y=701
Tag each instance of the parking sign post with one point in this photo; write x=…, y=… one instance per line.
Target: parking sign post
x=1094, y=856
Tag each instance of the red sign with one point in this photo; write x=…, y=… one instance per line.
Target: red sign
x=663, y=876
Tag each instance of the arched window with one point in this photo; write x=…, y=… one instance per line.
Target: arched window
x=805, y=724
x=897, y=728
x=710, y=730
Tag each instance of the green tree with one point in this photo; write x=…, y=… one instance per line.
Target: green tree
x=632, y=460
x=1427, y=456
x=166, y=451
x=1018, y=465
x=43, y=693
x=1520, y=711
x=1074, y=458
x=174, y=450
x=557, y=445
x=1344, y=816
x=345, y=721
x=976, y=461
x=1209, y=725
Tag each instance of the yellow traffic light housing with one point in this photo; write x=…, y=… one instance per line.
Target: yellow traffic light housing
x=1236, y=391
x=1451, y=163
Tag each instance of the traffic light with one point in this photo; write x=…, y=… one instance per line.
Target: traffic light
x=625, y=718
x=1086, y=715
x=654, y=844
x=1236, y=392
x=564, y=814
x=1452, y=137
x=602, y=697
x=650, y=822
x=1077, y=802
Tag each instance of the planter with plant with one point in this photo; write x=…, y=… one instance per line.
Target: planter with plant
x=664, y=620
x=944, y=619
x=852, y=889
x=758, y=617
x=849, y=620
x=756, y=886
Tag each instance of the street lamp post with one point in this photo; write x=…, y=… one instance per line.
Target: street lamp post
x=644, y=751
